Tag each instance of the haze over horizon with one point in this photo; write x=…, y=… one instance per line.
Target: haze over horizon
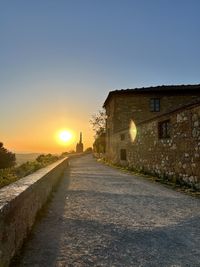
x=59, y=60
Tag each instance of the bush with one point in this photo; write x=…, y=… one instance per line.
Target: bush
x=88, y=150
x=27, y=168
x=13, y=174
x=7, y=176
x=7, y=158
x=46, y=159
x=64, y=154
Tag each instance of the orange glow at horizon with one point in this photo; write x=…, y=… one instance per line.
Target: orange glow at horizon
x=38, y=132
x=46, y=140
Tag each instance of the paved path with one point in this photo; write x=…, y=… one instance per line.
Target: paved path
x=103, y=217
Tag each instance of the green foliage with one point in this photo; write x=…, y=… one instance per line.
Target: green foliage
x=64, y=154
x=98, y=123
x=13, y=174
x=88, y=150
x=100, y=143
x=47, y=159
x=7, y=158
x=7, y=176
x=27, y=168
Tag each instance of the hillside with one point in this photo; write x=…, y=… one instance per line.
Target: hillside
x=21, y=158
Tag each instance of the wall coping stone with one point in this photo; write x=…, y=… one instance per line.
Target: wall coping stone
x=11, y=191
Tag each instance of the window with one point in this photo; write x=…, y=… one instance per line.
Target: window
x=155, y=104
x=164, y=129
x=122, y=137
x=123, y=154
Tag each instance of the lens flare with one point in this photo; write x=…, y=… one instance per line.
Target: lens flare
x=133, y=131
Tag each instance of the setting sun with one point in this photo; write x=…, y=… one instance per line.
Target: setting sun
x=65, y=136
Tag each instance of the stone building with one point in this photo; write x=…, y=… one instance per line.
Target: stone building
x=79, y=146
x=157, y=130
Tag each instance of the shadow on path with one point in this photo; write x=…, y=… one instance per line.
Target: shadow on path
x=92, y=228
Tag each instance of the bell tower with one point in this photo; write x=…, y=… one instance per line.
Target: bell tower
x=79, y=146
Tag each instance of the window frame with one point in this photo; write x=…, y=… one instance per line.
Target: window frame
x=122, y=137
x=164, y=129
x=154, y=104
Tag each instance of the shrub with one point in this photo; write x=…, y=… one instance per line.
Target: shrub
x=7, y=176
x=46, y=159
x=13, y=174
x=7, y=158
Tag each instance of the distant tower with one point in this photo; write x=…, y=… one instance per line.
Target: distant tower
x=80, y=142
x=79, y=146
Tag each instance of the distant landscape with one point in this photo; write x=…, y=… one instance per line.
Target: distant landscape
x=22, y=158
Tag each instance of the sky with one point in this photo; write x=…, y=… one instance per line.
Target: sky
x=60, y=58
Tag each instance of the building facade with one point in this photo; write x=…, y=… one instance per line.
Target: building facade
x=157, y=130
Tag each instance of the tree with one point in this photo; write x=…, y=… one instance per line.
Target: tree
x=88, y=150
x=7, y=158
x=100, y=143
x=98, y=123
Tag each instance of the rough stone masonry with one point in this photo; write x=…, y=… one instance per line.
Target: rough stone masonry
x=166, y=138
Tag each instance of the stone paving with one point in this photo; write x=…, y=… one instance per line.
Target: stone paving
x=100, y=216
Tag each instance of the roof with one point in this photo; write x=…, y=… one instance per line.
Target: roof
x=155, y=89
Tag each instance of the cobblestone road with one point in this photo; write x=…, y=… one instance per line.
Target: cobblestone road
x=100, y=216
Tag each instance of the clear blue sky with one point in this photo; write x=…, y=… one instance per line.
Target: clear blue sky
x=59, y=59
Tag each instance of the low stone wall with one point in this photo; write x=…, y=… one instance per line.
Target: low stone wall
x=19, y=205
x=177, y=157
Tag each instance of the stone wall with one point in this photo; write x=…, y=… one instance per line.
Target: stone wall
x=177, y=157
x=19, y=205
x=137, y=107
x=121, y=109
